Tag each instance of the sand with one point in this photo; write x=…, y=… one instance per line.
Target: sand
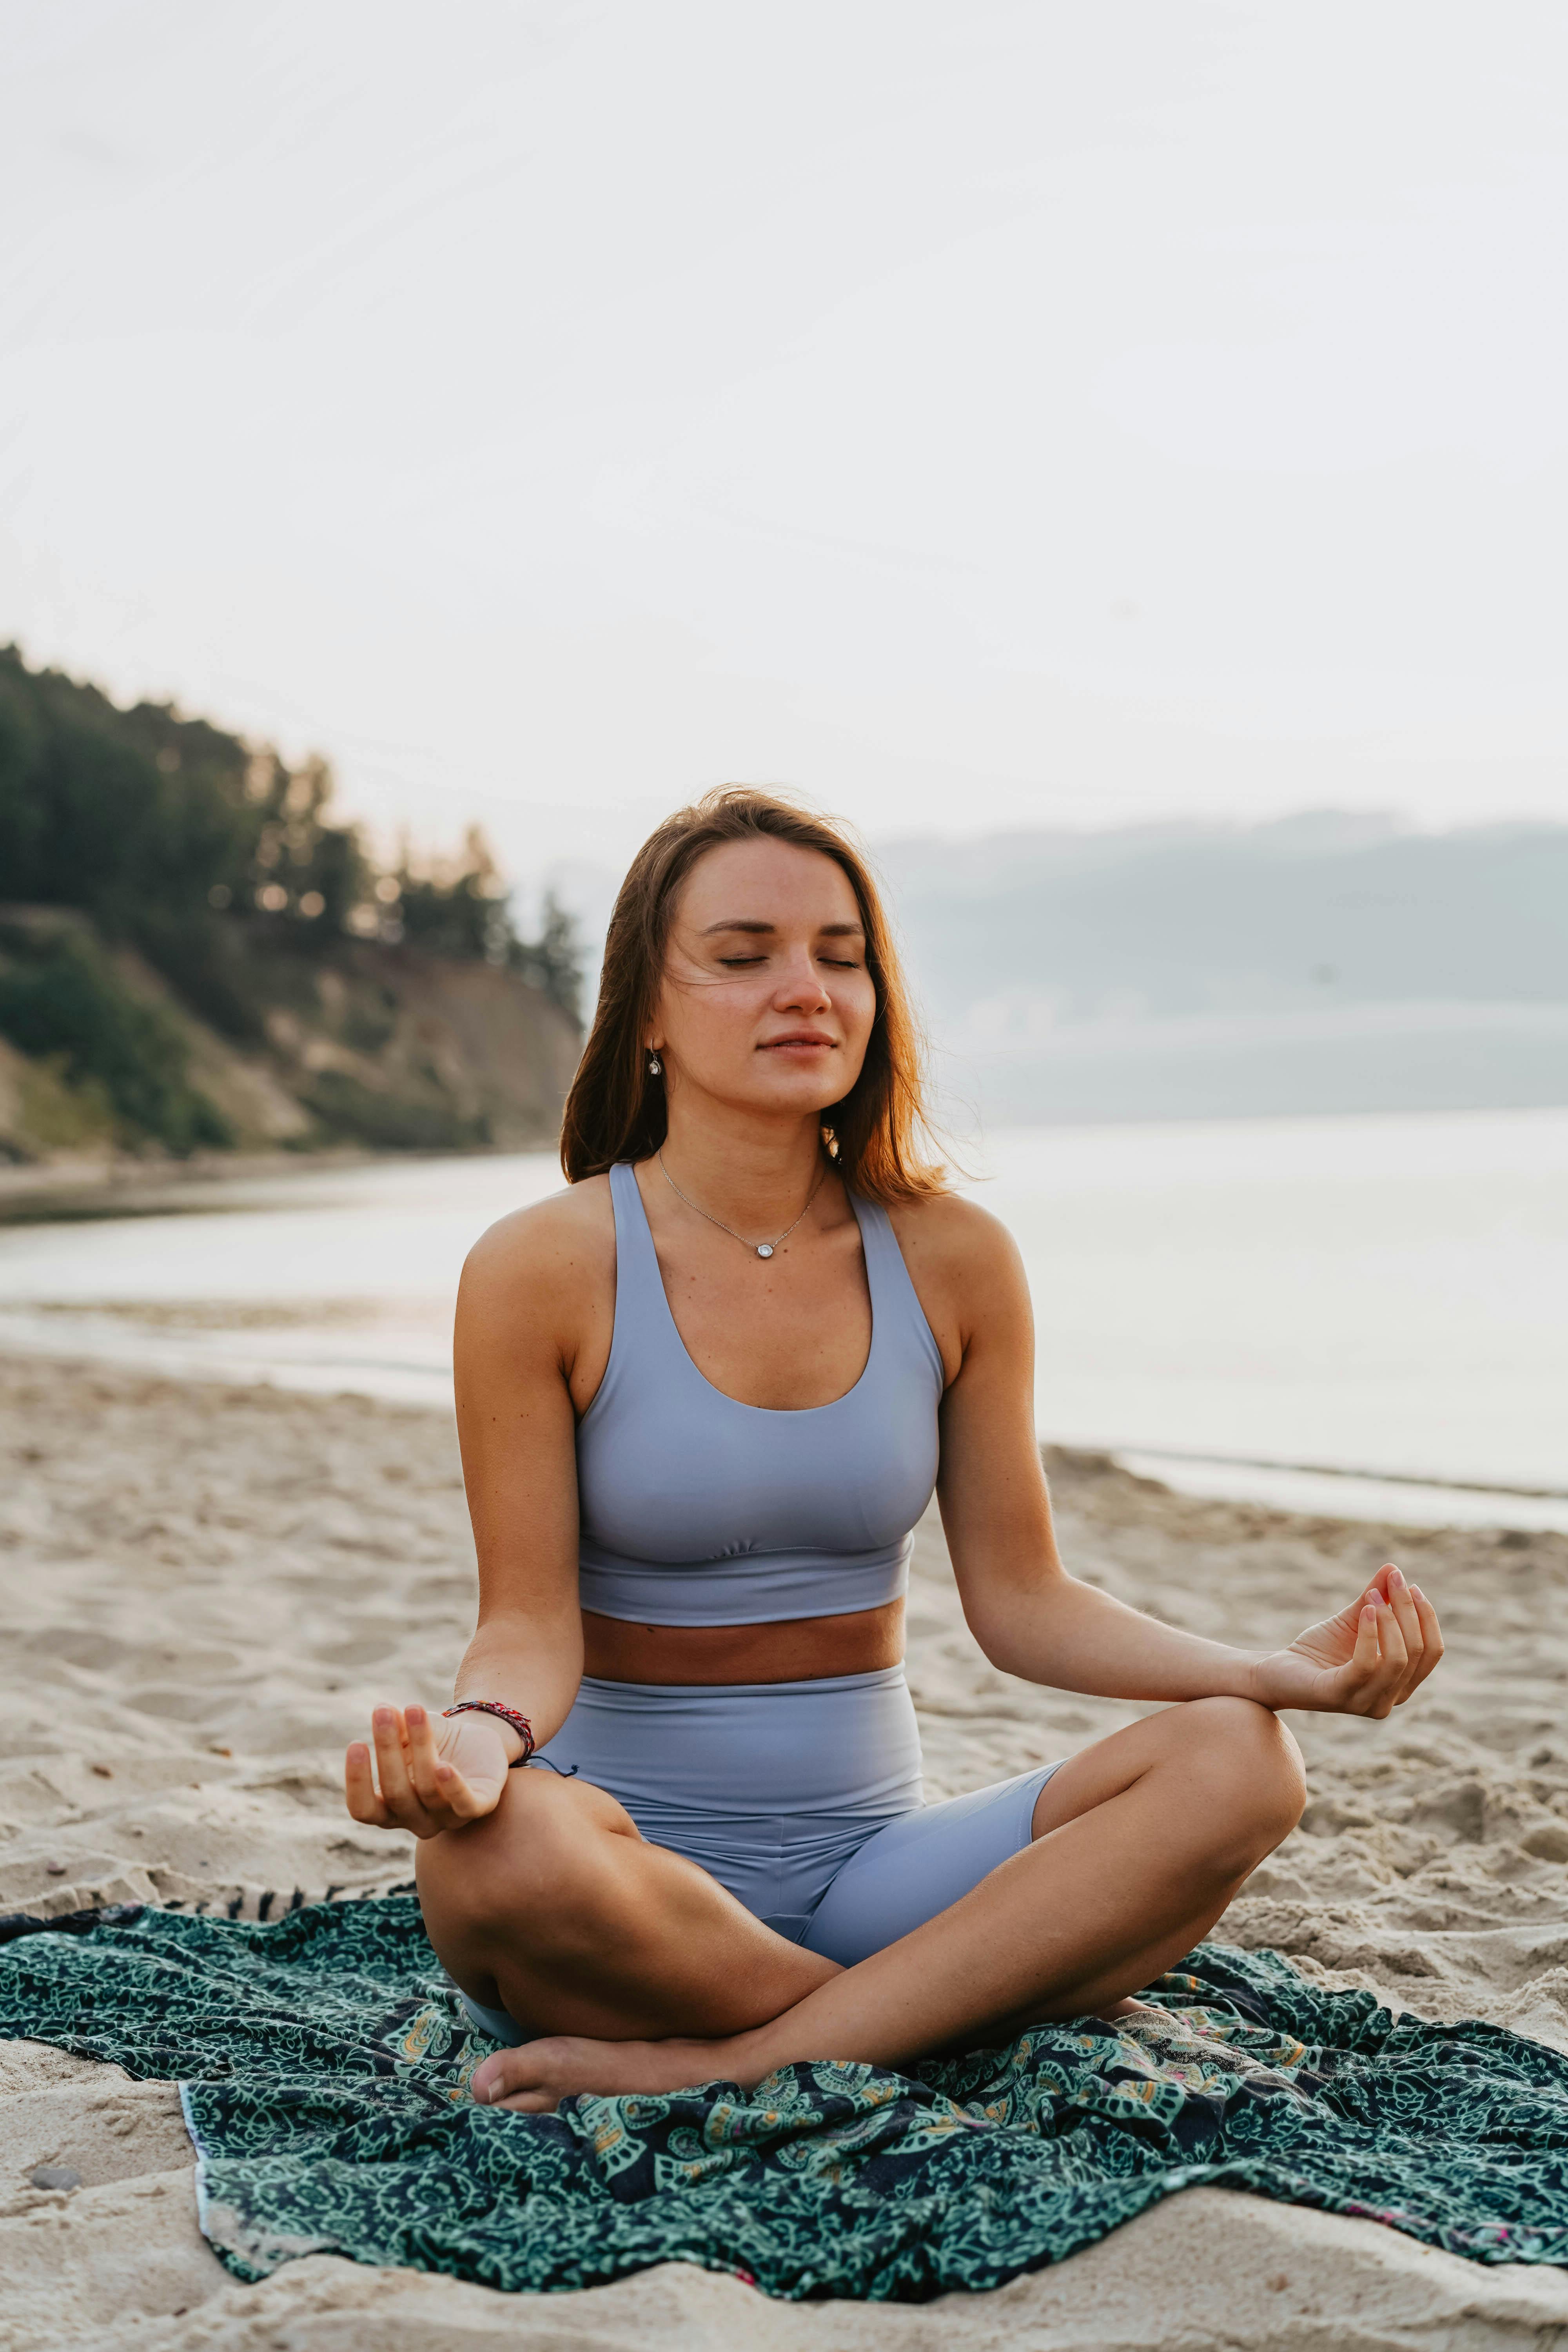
x=203, y=1589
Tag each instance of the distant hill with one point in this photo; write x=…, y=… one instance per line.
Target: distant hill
x=195, y=955
x=1327, y=962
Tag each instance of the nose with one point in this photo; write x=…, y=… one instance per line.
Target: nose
x=800, y=985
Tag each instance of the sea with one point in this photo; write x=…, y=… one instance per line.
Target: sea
x=1363, y=1314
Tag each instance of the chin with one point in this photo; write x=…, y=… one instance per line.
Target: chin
x=807, y=1097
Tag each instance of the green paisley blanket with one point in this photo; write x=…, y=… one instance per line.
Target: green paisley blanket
x=325, y=2069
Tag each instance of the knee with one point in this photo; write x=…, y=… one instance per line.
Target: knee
x=1247, y=1770
x=537, y=1873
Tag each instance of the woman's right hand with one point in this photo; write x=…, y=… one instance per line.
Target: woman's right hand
x=428, y=1783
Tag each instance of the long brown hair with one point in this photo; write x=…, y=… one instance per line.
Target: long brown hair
x=617, y=1110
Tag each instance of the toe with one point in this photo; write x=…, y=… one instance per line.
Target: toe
x=498, y=2077
x=527, y=2079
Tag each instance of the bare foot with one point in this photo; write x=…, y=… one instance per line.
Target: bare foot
x=537, y=2075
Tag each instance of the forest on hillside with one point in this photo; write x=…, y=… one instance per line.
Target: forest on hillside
x=162, y=879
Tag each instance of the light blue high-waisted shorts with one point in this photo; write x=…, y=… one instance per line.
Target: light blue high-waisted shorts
x=803, y=1799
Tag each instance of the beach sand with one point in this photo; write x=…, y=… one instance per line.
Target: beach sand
x=204, y=1590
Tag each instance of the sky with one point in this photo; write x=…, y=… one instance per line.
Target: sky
x=975, y=416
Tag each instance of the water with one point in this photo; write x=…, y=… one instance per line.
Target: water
x=1387, y=1295
x=1383, y=1294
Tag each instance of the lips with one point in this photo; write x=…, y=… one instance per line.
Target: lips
x=775, y=1045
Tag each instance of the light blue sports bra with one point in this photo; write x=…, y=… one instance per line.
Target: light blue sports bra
x=697, y=1510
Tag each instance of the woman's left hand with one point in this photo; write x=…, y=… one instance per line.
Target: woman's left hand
x=1366, y=1661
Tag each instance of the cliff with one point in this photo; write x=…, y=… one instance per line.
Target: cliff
x=199, y=957
x=383, y=1046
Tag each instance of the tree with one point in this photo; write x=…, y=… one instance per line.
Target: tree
x=553, y=961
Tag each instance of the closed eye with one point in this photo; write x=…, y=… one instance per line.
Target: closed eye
x=743, y=964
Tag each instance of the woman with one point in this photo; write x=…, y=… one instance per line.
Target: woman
x=702, y=1397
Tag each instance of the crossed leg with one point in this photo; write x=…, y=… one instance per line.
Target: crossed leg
x=643, y=1974
x=556, y=1908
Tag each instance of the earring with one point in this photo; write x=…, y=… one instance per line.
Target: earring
x=831, y=1142
x=654, y=1066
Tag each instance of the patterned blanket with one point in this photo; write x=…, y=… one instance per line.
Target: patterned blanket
x=325, y=2071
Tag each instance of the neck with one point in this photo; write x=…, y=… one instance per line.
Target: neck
x=754, y=1173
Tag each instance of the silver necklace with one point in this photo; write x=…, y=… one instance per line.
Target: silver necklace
x=762, y=1249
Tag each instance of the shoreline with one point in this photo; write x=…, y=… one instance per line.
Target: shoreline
x=204, y=1589
x=76, y=1190
x=1388, y=1497
x=1339, y=1321
x=325, y=1349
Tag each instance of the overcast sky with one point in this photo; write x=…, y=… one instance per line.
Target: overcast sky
x=976, y=414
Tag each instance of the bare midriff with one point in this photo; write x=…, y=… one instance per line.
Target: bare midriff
x=806, y=1648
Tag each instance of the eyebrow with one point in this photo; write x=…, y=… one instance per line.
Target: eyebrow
x=747, y=923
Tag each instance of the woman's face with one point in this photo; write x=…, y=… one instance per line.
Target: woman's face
x=766, y=1001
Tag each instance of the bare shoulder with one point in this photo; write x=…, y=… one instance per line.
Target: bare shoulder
x=966, y=1270
x=955, y=1237
x=555, y=1254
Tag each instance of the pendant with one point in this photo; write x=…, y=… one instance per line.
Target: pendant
x=764, y=1249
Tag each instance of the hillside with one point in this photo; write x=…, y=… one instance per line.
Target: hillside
x=370, y=1044
x=194, y=956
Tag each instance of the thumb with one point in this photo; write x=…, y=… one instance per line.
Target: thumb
x=468, y=1796
x=1350, y=1615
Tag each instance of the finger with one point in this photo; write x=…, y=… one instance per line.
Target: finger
x=397, y=1792
x=1351, y=1682
x=458, y=1800
x=1372, y=1598
x=420, y=1757
x=1350, y=1615
x=1408, y=1620
x=1374, y=1694
x=359, y=1788
x=1431, y=1637
x=447, y=1794
x=1392, y=1659
x=1365, y=1660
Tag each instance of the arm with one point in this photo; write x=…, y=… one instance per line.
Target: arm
x=1034, y=1620
x=525, y=1301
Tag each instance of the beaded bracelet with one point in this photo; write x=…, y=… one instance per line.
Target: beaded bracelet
x=519, y=1723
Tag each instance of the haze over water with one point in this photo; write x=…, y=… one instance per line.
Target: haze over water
x=1377, y=1294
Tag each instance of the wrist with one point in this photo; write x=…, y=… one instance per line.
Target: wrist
x=511, y=1727
x=1252, y=1678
